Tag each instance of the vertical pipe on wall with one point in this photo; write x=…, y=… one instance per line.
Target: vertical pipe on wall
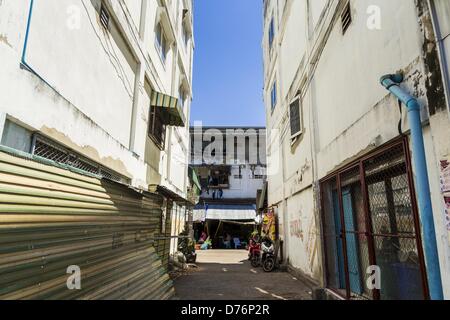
x=391, y=83
x=27, y=33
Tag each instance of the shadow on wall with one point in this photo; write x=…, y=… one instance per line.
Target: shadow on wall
x=152, y=158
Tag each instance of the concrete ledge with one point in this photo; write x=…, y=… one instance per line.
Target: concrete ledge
x=307, y=280
x=318, y=292
x=325, y=294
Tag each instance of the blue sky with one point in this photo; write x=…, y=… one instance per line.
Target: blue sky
x=228, y=75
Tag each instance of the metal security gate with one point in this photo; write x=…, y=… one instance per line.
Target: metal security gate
x=52, y=218
x=370, y=218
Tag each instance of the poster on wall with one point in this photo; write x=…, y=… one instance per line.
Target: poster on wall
x=445, y=189
x=445, y=176
x=269, y=227
x=447, y=212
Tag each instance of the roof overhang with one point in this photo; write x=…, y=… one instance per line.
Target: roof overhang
x=165, y=192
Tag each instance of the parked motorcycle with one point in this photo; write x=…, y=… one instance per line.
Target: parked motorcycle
x=254, y=253
x=187, y=247
x=267, y=255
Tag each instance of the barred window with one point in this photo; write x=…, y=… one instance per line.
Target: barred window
x=50, y=150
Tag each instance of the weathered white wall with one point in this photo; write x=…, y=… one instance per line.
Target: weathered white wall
x=346, y=113
x=302, y=231
x=134, y=7
x=316, y=9
x=88, y=81
x=71, y=52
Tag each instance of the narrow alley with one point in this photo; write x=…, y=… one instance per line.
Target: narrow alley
x=228, y=275
x=149, y=147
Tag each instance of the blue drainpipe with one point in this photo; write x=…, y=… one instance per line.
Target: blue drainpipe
x=27, y=34
x=25, y=47
x=391, y=82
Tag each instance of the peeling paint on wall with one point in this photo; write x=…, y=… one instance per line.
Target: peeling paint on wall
x=88, y=151
x=445, y=189
x=434, y=86
x=4, y=39
x=311, y=242
x=296, y=229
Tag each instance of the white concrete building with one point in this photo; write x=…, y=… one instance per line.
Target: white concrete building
x=105, y=87
x=230, y=163
x=81, y=75
x=229, y=159
x=340, y=174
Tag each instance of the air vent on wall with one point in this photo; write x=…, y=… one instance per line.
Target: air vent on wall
x=104, y=17
x=346, y=17
x=295, y=117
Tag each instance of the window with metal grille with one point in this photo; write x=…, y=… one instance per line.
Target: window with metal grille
x=296, y=117
x=370, y=218
x=157, y=130
x=346, y=17
x=50, y=150
x=104, y=17
x=47, y=150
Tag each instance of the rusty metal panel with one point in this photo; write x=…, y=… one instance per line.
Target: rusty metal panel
x=52, y=218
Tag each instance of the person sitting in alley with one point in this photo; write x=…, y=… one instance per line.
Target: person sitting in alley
x=227, y=241
x=203, y=238
x=237, y=243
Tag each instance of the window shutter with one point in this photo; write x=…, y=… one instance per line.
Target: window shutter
x=346, y=17
x=295, y=117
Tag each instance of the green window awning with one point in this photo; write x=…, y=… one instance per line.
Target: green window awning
x=194, y=178
x=170, y=109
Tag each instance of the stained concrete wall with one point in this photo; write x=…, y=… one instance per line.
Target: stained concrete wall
x=89, y=89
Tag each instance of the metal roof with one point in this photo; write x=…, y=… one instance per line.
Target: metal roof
x=225, y=212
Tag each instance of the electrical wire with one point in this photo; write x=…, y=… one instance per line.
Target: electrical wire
x=111, y=58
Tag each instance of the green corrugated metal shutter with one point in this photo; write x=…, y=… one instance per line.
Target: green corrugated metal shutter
x=51, y=218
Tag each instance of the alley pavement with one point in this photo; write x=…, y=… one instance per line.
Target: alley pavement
x=228, y=275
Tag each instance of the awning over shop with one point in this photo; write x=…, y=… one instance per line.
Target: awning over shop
x=154, y=188
x=225, y=212
x=171, y=112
